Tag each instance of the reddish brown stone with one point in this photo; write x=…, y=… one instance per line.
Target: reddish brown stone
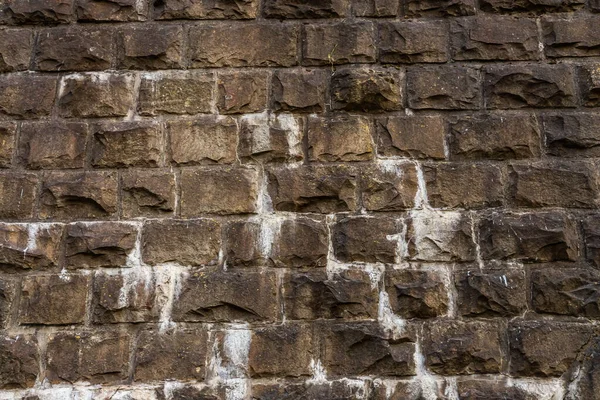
x=300, y=242
x=417, y=294
x=17, y=195
x=147, y=193
x=19, y=364
x=30, y=246
x=8, y=132
x=365, y=239
x=176, y=93
x=414, y=137
x=206, y=140
x=299, y=91
x=53, y=145
x=270, y=138
x=339, y=43
x=26, y=96
x=341, y=138
x=111, y=10
x=152, y=47
x=367, y=89
x=389, y=186
x=242, y=92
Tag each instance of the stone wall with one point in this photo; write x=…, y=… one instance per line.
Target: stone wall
x=299, y=199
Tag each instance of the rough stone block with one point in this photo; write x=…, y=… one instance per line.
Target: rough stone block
x=389, y=186
x=376, y=8
x=111, y=10
x=300, y=242
x=571, y=38
x=15, y=49
x=518, y=86
x=73, y=195
x=147, y=193
x=439, y=8
x=299, y=91
x=289, y=9
x=417, y=294
x=26, y=96
x=126, y=144
x=340, y=138
x=8, y=133
x=589, y=85
x=591, y=235
x=243, y=245
x=340, y=389
x=218, y=191
x=550, y=184
x=495, y=389
x=529, y=237
x=176, y=93
x=151, y=47
x=462, y=348
x=444, y=88
x=201, y=9
x=365, y=239
x=411, y=136
x=531, y=7
x=205, y=140
x=53, y=145
x=367, y=89
x=36, y=12
x=95, y=95
x=53, y=299
x=185, y=242
x=270, y=138
x=227, y=297
x=8, y=293
x=242, y=92
x=572, y=135
x=402, y=42
x=20, y=364
x=17, y=195
x=495, y=137
x=339, y=43
x=101, y=244
x=244, y=45
x=319, y=189
x=30, y=246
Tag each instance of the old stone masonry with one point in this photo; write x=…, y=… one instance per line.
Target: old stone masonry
x=300, y=199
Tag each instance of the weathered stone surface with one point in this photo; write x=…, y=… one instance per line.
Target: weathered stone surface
x=365, y=239
x=367, y=89
x=15, y=49
x=95, y=95
x=53, y=299
x=300, y=242
x=569, y=291
x=177, y=355
x=376, y=8
x=126, y=144
x=496, y=137
x=341, y=43
x=529, y=237
x=493, y=389
x=319, y=189
x=299, y=91
x=414, y=136
x=243, y=245
x=242, y=92
x=17, y=195
x=147, y=193
x=518, y=86
x=284, y=351
x=227, y=297
x=313, y=390
x=72, y=49
x=460, y=185
x=439, y=236
x=26, y=96
x=53, y=145
x=8, y=290
x=8, y=131
x=185, y=242
x=19, y=367
x=591, y=236
x=241, y=45
x=491, y=293
x=402, y=42
x=530, y=6
x=176, y=93
x=417, y=294
x=288, y=9
x=459, y=348
x=534, y=344
x=572, y=135
x=127, y=296
x=389, y=186
x=36, y=12
x=589, y=85
x=98, y=358
x=205, y=140
x=29, y=246
x=444, y=88
x=201, y=9
x=364, y=349
x=439, y=8
x=385, y=389
x=270, y=138
x=340, y=138
x=218, y=191
x=494, y=38
x=194, y=392
x=347, y=294
x=111, y=10
x=101, y=244
x=73, y=195
x=563, y=38
x=547, y=184
x=152, y=47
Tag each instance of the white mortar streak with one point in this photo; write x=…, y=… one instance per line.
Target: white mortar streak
x=425, y=379
x=475, y=239
x=421, y=200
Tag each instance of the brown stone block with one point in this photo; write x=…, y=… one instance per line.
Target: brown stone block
x=417, y=294
x=179, y=92
x=339, y=43
x=444, y=88
x=151, y=47
x=412, y=136
x=340, y=138
x=26, y=96
x=30, y=246
x=299, y=91
x=19, y=368
x=111, y=10
x=367, y=89
x=365, y=239
x=200, y=9
x=242, y=92
x=403, y=42
x=389, y=186
x=15, y=49
x=147, y=193
x=53, y=144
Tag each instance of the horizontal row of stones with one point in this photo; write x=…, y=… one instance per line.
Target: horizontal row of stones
x=66, y=11
x=267, y=139
x=363, y=89
x=323, y=189
x=160, y=46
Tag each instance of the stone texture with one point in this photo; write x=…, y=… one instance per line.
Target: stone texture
x=305, y=9
x=562, y=38
x=292, y=390
x=417, y=294
x=242, y=92
x=270, y=138
x=84, y=195
x=8, y=290
x=414, y=136
x=200, y=9
x=572, y=135
x=589, y=85
x=147, y=193
x=176, y=93
x=437, y=8
x=389, y=186
x=53, y=299
x=18, y=192
x=19, y=366
x=111, y=10
x=340, y=138
x=8, y=132
x=53, y=145
x=444, y=88
x=299, y=92
x=401, y=42
x=365, y=239
x=126, y=144
x=529, y=237
x=376, y=8
x=36, y=12
x=300, y=242
x=367, y=90
x=15, y=49
x=153, y=47
x=205, y=140
x=532, y=7
x=102, y=244
x=184, y=242
x=342, y=43
x=26, y=96
x=29, y=246
x=591, y=235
